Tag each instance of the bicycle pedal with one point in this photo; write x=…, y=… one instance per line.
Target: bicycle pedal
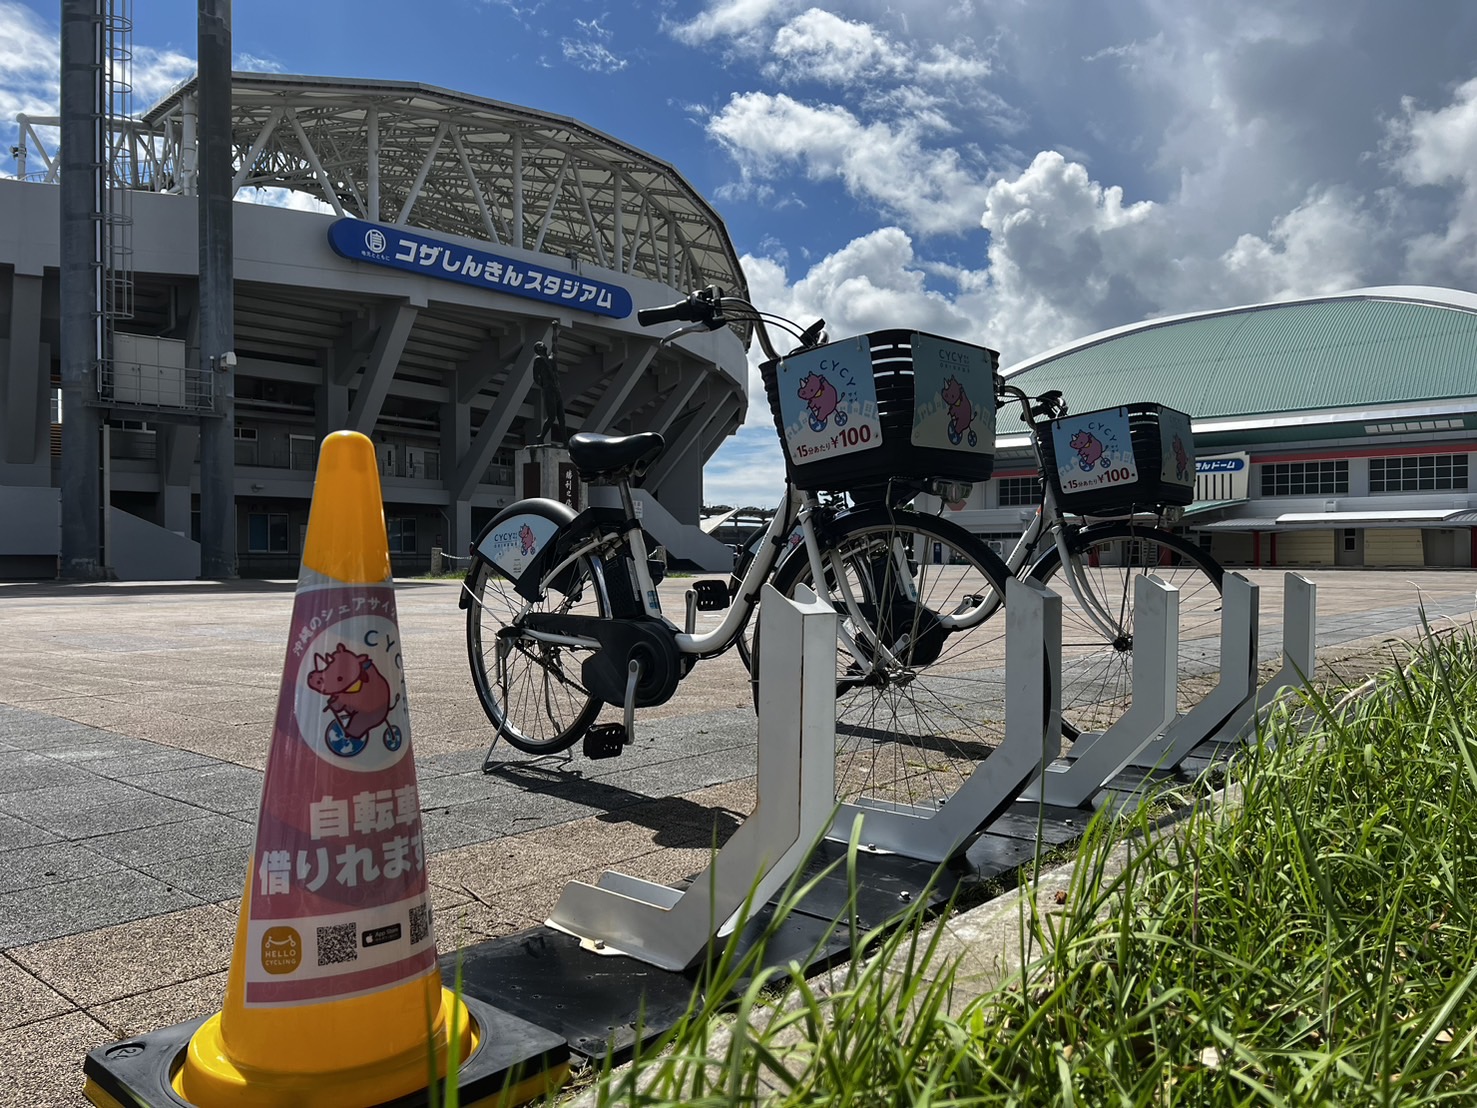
x=606, y=740
x=712, y=595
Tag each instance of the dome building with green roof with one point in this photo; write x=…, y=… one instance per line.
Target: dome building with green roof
x=1336, y=430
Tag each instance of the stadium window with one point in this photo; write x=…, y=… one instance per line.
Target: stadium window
x=1018, y=492
x=1426, y=473
x=1305, y=478
x=401, y=531
x=266, y=533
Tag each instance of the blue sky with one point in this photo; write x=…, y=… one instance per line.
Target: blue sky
x=1013, y=172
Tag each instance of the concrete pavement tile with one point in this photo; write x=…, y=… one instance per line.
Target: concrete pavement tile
x=117, y=816
x=159, y=1008
x=103, y=753
x=144, y=846
x=737, y=797
x=608, y=835
x=134, y=957
x=41, y=773
x=447, y=829
x=87, y=792
x=258, y=710
x=243, y=745
x=465, y=741
x=449, y=762
x=462, y=788
x=44, y=1060
x=667, y=867
x=118, y=713
x=33, y=866
x=85, y=904
x=443, y=896
x=220, y=788
x=27, y=997
x=160, y=759
x=45, y=732
x=469, y=924
x=210, y=877
x=17, y=833
x=505, y=863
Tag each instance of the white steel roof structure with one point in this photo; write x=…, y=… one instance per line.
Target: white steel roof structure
x=416, y=155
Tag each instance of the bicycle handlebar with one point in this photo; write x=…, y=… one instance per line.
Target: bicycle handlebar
x=702, y=306
x=705, y=308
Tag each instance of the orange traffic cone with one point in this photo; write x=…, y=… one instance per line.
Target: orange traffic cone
x=334, y=995
x=334, y=971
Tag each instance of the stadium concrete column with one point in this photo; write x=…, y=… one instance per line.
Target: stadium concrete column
x=83, y=165
x=456, y=440
x=217, y=293
x=22, y=377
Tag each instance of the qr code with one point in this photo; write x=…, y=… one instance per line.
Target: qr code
x=338, y=943
x=420, y=923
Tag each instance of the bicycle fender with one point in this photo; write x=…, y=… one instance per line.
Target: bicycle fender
x=516, y=537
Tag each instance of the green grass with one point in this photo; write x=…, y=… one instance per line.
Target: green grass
x=1310, y=944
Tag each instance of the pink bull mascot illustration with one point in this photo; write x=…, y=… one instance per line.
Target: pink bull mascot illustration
x=961, y=412
x=359, y=698
x=1089, y=450
x=1181, y=459
x=526, y=539
x=823, y=400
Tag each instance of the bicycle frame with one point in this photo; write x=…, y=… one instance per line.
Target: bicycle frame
x=798, y=509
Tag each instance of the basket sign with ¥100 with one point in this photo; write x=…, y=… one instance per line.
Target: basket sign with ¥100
x=828, y=401
x=1093, y=450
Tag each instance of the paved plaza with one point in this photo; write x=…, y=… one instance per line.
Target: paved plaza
x=134, y=725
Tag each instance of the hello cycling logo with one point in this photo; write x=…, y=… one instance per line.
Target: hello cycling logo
x=350, y=695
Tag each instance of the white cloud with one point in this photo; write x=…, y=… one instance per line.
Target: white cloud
x=820, y=46
x=588, y=49
x=732, y=19
x=30, y=61
x=253, y=64
x=1437, y=149
x=931, y=190
x=157, y=73
x=292, y=199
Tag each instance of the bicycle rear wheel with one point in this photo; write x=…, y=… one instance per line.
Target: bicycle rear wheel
x=531, y=691
x=1097, y=674
x=910, y=729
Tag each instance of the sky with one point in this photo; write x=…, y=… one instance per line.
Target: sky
x=1015, y=173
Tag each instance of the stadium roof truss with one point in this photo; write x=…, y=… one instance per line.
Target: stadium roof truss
x=409, y=154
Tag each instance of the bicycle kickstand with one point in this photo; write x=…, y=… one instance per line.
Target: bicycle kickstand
x=609, y=740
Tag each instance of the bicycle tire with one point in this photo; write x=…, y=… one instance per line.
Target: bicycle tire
x=545, y=708
x=1097, y=675
x=912, y=733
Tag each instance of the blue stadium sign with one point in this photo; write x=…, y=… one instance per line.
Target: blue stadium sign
x=1219, y=465
x=414, y=252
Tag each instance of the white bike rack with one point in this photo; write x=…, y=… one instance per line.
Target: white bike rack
x=1033, y=637
x=671, y=928
x=1233, y=692
x=1299, y=638
x=1097, y=758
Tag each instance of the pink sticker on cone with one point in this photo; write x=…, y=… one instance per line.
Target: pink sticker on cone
x=339, y=902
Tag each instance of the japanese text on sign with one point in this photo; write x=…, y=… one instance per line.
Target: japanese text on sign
x=400, y=248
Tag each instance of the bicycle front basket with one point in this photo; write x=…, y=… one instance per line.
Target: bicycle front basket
x=1115, y=460
x=889, y=405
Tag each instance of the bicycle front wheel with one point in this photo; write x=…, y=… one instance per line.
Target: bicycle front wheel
x=920, y=657
x=532, y=691
x=1097, y=669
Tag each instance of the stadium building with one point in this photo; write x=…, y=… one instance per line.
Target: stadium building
x=454, y=234
x=1333, y=431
